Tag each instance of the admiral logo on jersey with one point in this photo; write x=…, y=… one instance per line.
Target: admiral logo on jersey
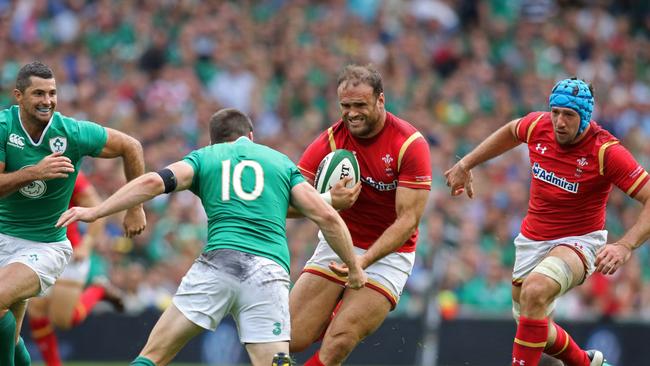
x=16, y=141
x=550, y=178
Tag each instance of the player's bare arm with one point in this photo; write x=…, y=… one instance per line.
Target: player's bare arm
x=409, y=206
x=130, y=149
x=614, y=255
x=342, y=197
x=134, y=193
x=306, y=199
x=88, y=198
x=459, y=177
x=51, y=167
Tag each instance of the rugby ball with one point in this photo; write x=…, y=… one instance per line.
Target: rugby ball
x=335, y=166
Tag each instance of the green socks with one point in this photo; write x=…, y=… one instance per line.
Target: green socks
x=21, y=358
x=142, y=361
x=7, y=339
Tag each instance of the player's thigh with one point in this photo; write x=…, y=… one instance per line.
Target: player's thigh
x=172, y=331
x=569, y=256
x=19, y=282
x=261, y=307
x=64, y=297
x=361, y=313
x=261, y=354
x=311, y=302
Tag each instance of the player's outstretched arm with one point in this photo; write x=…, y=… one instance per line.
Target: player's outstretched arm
x=614, y=255
x=459, y=177
x=307, y=200
x=52, y=166
x=130, y=149
x=134, y=193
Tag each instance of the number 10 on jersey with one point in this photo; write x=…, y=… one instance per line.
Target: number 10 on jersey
x=236, y=181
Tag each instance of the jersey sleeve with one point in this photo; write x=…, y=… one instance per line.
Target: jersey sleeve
x=414, y=165
x=526, y=125
x=312, y=157
x=92, y=138
x=295, y=177
x=620, y=168
x=194, y=159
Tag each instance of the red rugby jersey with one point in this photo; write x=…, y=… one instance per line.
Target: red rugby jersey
x=72, y=232
x=398, y=156
x=570, y=185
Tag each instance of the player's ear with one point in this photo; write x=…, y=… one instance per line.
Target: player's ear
x=380, y=100
x=250, y=136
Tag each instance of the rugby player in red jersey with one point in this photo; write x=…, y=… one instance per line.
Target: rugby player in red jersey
x=395, y=173
x=574, y=163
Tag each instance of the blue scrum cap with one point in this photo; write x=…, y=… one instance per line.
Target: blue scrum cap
x=575, y=94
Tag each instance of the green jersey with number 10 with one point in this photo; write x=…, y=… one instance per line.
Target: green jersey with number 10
x=245, y=189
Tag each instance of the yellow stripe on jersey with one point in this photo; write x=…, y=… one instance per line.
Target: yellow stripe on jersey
x=530, y=344
x=423, y=183
x=384, y=289
x=601, y=155
x=532, y=127
x=636, y=183
x=405, y=146
x=330, y=134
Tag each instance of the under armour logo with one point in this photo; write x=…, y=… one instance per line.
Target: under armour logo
x=518, y=362
x=541, y=149
x=578, y=246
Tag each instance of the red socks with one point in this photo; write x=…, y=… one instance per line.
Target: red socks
x=529, y=342
x=43, y=335
x=89, y=298
x=314, y=360
x=566, y=350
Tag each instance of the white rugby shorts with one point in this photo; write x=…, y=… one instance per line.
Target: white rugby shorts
x=529, y=253
x=386, y=276
x=253, y=289
x=48, y=260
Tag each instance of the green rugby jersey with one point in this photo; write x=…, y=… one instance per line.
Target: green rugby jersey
x=32, y=211
x=245, y=189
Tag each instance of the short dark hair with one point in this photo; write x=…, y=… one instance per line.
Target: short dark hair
x=35, y=68
x=228, y=125
x=358, y=74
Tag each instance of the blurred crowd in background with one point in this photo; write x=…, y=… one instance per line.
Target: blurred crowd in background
x=456, y=69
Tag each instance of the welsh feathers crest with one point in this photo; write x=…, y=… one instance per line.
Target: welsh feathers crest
x=58, y=144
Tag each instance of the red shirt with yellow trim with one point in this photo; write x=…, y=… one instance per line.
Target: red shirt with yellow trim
x=570, y=185
x=72, y=232
x=398, y=156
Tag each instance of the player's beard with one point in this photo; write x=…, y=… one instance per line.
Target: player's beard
x=363, y=126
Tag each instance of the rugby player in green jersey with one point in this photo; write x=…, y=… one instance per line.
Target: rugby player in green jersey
x=246, y=190
x=40, y=152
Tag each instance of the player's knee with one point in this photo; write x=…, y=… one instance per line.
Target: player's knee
x=336, y=347
x=535, y=295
